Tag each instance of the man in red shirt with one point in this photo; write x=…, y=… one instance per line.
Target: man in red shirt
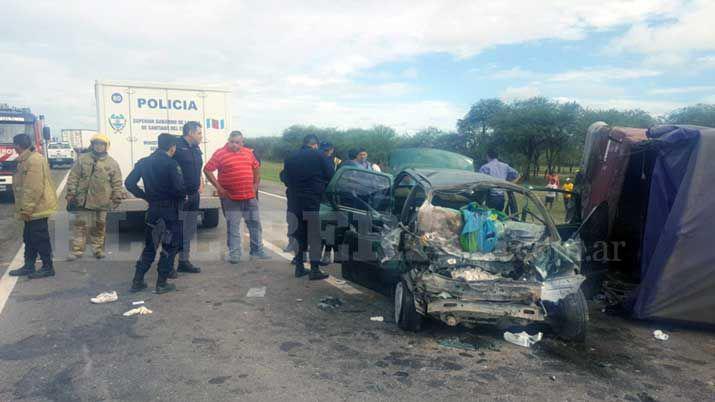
x=237, y=185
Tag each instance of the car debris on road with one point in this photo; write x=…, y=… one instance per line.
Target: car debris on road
x=138, y=311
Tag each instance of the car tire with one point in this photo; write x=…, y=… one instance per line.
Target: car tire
x=210, y=218
x=570, y=317
x=406, y=316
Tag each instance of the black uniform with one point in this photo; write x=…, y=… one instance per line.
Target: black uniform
x=189, y=158
x=164, y=190
x=307, y=173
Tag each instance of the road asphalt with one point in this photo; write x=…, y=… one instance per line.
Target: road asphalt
x=253, y=332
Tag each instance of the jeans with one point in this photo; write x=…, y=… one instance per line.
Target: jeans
x=36, y=236
x=234, y=211
x=169, y=241
x=188, y=216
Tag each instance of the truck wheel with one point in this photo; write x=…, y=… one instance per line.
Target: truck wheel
x=570, y=317
x=52, y=165
x=406, y=315
x=210, y=219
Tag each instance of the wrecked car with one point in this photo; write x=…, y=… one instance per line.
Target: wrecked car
x=428, y=233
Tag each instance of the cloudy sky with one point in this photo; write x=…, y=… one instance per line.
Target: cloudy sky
x=406, y=64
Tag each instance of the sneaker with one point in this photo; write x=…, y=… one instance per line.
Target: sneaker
x=261, y=255
x=43, y=272
x=99, y=255
x=138, y=286
x=74, y=257
x=186, y=266
x=317, y=274
x=164, y=287
x=106, y=297
x=24, y=271
x=172, y=274
x=234, y=259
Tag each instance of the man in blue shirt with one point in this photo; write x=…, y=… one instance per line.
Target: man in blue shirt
x=496, y=168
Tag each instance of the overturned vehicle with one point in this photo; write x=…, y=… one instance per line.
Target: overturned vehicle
x=455, y=245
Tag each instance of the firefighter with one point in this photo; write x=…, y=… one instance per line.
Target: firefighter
x=35, y=201
x=94, y=186
x=165, y=192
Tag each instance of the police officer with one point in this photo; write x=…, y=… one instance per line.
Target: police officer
x=307, y=173
x=188, y=155
x=165, y=192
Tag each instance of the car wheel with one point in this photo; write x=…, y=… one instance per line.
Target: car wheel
x=570, y=317
x=406, y=315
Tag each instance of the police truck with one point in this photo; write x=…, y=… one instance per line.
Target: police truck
x=133, y=114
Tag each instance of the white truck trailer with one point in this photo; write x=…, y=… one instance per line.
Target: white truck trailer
x=78, y=138
x=133, y=114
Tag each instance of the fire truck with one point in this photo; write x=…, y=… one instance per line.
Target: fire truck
x=14, y=121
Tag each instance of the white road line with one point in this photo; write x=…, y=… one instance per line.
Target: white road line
x=338, y=283
x=272, y=195
x=7, y=282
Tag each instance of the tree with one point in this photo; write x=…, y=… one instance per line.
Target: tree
x=477, y=124
x=700, y=115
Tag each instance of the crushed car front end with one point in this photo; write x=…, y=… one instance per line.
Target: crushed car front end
x=527, y=276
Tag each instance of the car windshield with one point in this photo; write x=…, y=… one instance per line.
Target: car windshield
x=9, y=130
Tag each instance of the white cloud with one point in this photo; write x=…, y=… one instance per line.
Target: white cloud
x=514, y=73
x=273, y=51
x=672, y=42
x=682, y=90
x=516, y=93
x=602, y=74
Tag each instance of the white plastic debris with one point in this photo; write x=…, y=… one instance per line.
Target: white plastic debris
x=256, y=292
x=139, y=310
x=377, y=318
x=137, y=303
x=522, y=338
x=106, y=297
x=660, y=335
x=473, y=274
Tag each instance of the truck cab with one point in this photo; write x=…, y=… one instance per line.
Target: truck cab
x=14, y=121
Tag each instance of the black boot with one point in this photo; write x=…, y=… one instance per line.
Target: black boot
x=162, y=286
x=27, y=269
x=300, y=270
x=138, y=285
x=44, y=272
x=186, y=266
x=316, y=273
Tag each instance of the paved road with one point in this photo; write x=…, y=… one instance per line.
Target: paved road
x=211, y=341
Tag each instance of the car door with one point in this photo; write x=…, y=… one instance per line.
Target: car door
x=361, y=205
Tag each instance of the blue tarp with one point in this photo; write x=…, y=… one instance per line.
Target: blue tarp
x=678, y=249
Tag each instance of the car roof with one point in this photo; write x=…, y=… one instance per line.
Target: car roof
x=444, y=178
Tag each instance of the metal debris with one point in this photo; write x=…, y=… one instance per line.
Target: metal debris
x=522, y=338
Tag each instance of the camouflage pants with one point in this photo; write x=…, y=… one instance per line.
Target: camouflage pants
x=89, y=226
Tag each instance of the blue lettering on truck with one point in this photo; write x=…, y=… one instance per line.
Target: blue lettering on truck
x=176, y=104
